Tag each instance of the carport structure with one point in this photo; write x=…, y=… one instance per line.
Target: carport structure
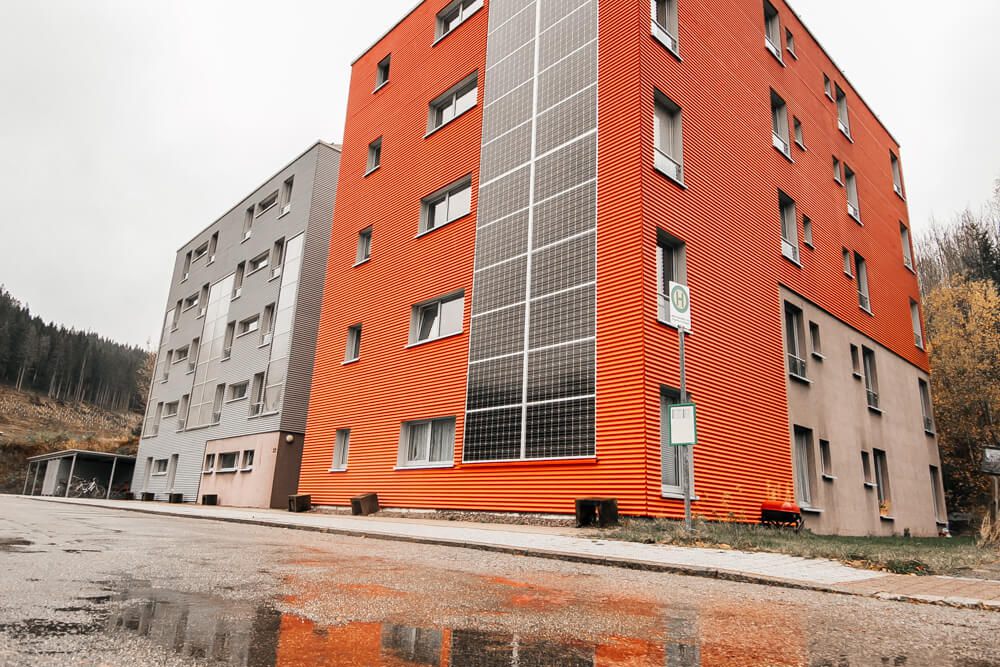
x=54, y=473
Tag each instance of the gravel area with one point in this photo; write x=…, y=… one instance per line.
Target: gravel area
x=89, y=586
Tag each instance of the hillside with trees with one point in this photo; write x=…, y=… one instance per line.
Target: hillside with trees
x=69, y=365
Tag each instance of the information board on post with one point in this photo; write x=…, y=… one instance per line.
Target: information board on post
x=683, y=425
x=680, y=306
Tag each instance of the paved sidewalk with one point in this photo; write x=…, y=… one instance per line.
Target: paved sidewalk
x=565, y=544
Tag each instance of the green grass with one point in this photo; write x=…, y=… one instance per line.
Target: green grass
x=902, y=555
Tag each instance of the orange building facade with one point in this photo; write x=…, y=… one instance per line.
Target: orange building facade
x=520, y=180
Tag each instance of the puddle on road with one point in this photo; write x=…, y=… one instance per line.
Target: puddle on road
x=14, y=544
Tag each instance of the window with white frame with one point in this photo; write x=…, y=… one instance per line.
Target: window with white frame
x=187, y=267
x=200, y=252
x=848, y=269
x=213, y=247
x=166, y=365
x=227, y=341
x=238, y=280
x=191, y=301
x=861, y=266
x=153, y=425
x=671, y=263
x=455, y=14
x=837, y=171
x=170, y=409
x=926, y=408
x=181, y=354
x=277, y=257
x=267, y=326
x=238, y=391
x=668, y=153
x=799, y=137
x=790, y=43
x=286, y=194
x=257, y=395
x=851, y=183
x=816, y=340
x=209, y=463
x=805, y=466
x=826, y=459
x=843, y=120
x=195, y=348
x=939, y=514
x=249, y=325
x=827, y=86
x=160, y=466
x=228, y=461
x=220, y=397
x=789, y=227
x=918, y=332
x=871, y=377
x=447, y=205
x=428, y=442
x=374, y=155
x=904, y=239
x=248, y=456
x=807, y=230
x=664, y=17
x=364, y=251
x=866, y=469
x=182, y=413
x=795, y=342
x=897, y=177
x=437, y=319
x=382, y=71
x=267, y=203
x=341, y=447
x=248, y=223
x=779, y=124
x=772, y=30
x=353, y=352
x=882, y=483
x=855, y=361
x=454, y=102
x=259, y=262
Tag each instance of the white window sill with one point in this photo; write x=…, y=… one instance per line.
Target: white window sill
x=348, y=362
x=236, y=400
x=258, y=269
x=838, y=182
x=207, y=472
x=866, y=310
x=886, y=517
x=829, y=478
x=869, y=485
x=774, y=51
x=676, y=495
x=818, y=355
x=663, y=36
x=250, y=469
x=284, y=213
x=785, y=155
x=800, y=378
x=791, y=53
x=451, y=120
x=226, y=470
x=679, y=182
x=364, y=261
x=245, y=333
x=792, y=260
x=425, y=232
x=265, y=210
x=856, y=218
x=380, y=86
x=801, y=145
x=930, y=434
x=909, y=267
x=899, y=194
x=431, y=340
x=829, y=97
x=874, y=410
x=810, y=510
x=847, y=134
x=372, y=170
x=857, y=376
x=191, y=307
x=158, y=474
x=344, y=469
x=425, y=466
x=273, y=277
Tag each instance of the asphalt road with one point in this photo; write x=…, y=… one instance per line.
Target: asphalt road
x=88, y=586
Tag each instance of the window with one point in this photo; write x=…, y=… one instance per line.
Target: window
x=227, y=461
x=382, y=72
x=826, y=460
x=193, y=354
x=176, y=318
x=187, y=267
x=904, y=240
x=267, y=328
x=437, y=319
x=848, y=269
x=918, y=338
x=882, y=483
x=428, y=442
x=454, y=102
x=455, y=14
x=861, y=266
x=249, y=325
x=181, y=354
x=213, y=247
x=843, y=121
x=789, y=227
x=446, y=205
x=855, y=361
x=248, y=223
x=220, y=396
x=665, y=22
x=790, y=43
x=277, y=257
x=238, y=391
x=209, y=463
x=267, y=202
x=672, y=457
x=200, y=252
x=238, y=279
x=259, y=262
x=670, y=267
x=341, y=444
x=926, y=408
x=257, y=395
x=286, y=195
x=364, y=251
x=827, y=86
x=936, y=494
x=166, y=366
x=779, y=124
x=353, y=352
x=871, y=377
x=183, y=412
x=897, y=178
x=153, y=425
x=247, y=459
x=227, y=343
x=866, y=469
x=170, y=409
x=160, y=467
x=374, y=156
x=807, y=230
x=797, y=124
x=814, y=338
x=851, y=182
x=668, y=154
x=836, y=171
x=191, y=301
x=772, y=30
x=805, y=467
x=794, y=340
x=203, y=300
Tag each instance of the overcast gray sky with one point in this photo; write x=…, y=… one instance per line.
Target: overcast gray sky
x=127, y=126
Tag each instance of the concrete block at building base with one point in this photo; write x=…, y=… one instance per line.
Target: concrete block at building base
x=299, y=503
x=600, y=511
x=175, y=498
x=210, y=499
x=147, y=496
x=364, y=505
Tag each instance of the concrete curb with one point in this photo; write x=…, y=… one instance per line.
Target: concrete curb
x=551, y=554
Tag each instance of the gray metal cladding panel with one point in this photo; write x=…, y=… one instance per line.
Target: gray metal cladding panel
x=567, y=214
x=532, y=370
x=497, y=333
x=502, y=240
x=563, y=317
x=560, y=429
x=504, y=196
x=564, y=265
x=493, y=435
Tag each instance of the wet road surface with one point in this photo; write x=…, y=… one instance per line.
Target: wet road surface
x=88, y=586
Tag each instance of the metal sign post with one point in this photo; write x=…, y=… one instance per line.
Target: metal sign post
x=680, y=317
x=685, y=449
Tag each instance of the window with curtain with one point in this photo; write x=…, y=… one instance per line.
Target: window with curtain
x=428, y=442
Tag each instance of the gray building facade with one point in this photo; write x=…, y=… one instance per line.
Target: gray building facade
x=236, y=352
